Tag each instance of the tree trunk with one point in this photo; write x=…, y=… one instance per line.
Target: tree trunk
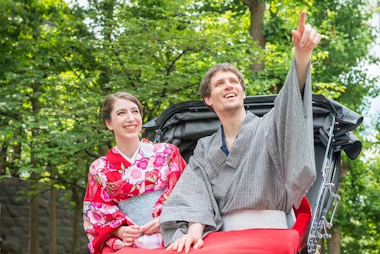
x=78, y=199
x=322, y=243
x=16, y=155
x=104, y=74
x=33, y=217
x=257, y=9
x=75, y=222
x=107, y=32
x=53, y=218
x=3, y=159
x=3, y=151
x=333, y=244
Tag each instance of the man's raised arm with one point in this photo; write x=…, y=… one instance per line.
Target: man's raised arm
x=304, y=39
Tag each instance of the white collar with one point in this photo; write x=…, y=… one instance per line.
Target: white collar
x=130, y=160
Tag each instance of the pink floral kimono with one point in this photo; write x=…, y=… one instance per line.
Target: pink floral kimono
x=113, y=179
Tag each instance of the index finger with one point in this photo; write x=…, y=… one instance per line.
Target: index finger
x=301, y=22
x=131, y=230
x=147, y=226
x=170, y=247
x=188, y=243
x=134, y=226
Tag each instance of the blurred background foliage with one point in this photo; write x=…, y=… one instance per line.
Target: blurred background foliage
x=59, y=59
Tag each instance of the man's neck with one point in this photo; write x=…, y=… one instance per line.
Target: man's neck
x=231, y=122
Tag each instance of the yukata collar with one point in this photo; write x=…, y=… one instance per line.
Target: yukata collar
x=239, y=148
x=224, y=146
x=117, y=159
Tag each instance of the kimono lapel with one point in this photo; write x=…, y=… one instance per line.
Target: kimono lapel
x=117, y=160
x=216, y=155
x=116, y=167
x=240, y=147
x=239, y=150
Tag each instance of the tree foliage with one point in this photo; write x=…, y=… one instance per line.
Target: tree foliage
x=59, y=60
x=359, y=211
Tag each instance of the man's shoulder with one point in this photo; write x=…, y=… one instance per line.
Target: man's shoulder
x=207, y=139
x=204, y=144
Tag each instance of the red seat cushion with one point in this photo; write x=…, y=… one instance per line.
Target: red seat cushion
x=252, y=241
x=279, y=241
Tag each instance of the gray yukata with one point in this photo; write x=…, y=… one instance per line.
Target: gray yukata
x=269, y=167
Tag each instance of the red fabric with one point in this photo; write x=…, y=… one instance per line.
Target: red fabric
x=303, y=215
x=106, y=187
x=257, y=241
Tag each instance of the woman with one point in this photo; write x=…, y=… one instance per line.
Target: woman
x=127, y=188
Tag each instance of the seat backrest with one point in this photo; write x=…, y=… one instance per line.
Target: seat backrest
x=184, y=123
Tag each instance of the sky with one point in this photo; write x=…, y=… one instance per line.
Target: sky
x=374, y=70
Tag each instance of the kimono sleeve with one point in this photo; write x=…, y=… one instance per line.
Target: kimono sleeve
x=176, y=165
x=291, y=142
x=101, y=215
x=190, y=201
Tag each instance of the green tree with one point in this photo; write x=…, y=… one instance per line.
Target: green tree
x=59, y=61
x=38, y=42
x=359, y=211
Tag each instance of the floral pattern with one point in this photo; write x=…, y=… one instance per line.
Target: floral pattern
x=112, y=179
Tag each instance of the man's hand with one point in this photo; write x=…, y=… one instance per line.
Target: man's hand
x=127, y=234
x=305, y=38
x=185, y=242
x=151, y=227
x=193, y=237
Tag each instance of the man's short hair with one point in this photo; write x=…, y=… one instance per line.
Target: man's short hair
x=205, y=87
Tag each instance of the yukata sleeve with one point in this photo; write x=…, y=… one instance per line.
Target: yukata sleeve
x=190, y=201
x=101, y=215
x=291, y=142
x=176, y=166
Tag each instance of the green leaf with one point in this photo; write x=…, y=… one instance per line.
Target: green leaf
x=150, y=179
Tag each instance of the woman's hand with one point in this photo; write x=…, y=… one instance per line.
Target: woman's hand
x=193, y=237
x=127, y=234
x=151, y=227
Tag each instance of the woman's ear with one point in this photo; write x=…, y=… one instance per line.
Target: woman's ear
x=108, y=124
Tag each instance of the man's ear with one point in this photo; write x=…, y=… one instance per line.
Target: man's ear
x=244, y=95
x=208, y=101
x=108, y=124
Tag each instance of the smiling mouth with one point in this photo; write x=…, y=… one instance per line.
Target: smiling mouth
x=130, y=127
x=230, y=95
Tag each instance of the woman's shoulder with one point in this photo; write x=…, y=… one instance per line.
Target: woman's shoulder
x=158, y=147
x=98, y=165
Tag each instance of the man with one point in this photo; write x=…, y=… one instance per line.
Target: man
x=252, y=167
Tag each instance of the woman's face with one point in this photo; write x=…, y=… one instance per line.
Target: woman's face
x=125, y=121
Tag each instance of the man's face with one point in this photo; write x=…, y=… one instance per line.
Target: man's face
x=226, y=92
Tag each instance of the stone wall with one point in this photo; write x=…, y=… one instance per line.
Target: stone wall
x=14, y=221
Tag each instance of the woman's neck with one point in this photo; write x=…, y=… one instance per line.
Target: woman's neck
x=128, y=148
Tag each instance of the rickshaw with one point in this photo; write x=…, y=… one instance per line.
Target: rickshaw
x=184, y=123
